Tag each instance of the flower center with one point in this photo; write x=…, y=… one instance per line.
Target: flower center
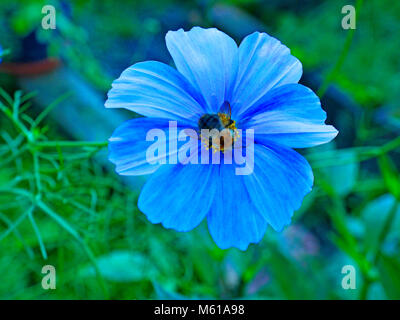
x=217, y=131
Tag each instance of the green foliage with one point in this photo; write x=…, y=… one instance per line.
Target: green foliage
x=389, y=269
x=60, y=206
x=367, y=74
x=122, y=266
x=390, y=175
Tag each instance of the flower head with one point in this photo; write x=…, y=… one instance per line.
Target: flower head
x=258, y=83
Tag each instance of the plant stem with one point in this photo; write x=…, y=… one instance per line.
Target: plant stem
x=359, y=154
x=346, y=48
x=60, y=143
x=381, y=239
x=66, y=226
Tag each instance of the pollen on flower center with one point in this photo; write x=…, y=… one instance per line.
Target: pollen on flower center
x=217, y=131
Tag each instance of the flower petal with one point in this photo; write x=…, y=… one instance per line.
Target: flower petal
x=154, y=89
x=179, y=196
x=208, y=59
x=280, y=180
x=290, y=115
x=264, y=63
x=127, y=146
x=245, y=204
x=233, y=220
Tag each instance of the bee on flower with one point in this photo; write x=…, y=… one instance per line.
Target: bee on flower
x=218, y=85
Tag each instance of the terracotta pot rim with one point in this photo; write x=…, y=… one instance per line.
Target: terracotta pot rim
x=30, y=68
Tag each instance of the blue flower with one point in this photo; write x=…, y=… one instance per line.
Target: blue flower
x=259, y=79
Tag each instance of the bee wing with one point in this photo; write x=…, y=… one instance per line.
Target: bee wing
x=226, y=109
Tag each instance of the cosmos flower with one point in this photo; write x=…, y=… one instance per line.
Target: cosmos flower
x=259, y=80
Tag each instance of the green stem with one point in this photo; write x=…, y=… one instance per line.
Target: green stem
x=37, y=174
x=49, y=108
x=386, y=228
x=37, y=232
x=334, y=158
x=59, y=144
x=381, y=239
x=339, y=63
x=389, y=146
x=17, y=123
x=65, y=225
x=13, y=226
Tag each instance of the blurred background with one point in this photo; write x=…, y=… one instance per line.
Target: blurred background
x=61, y=203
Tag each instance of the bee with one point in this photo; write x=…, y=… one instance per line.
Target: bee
x=226, y=135
x=220, y=121
x=211, y=121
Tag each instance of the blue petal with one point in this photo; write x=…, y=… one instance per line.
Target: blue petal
x=290, y=115
x=127, y=146
x=233, y=220
x=280, y=180
x=208, y=59
x=154, y=89
x=264, y=63
x=245, y=205
x=179, y=196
